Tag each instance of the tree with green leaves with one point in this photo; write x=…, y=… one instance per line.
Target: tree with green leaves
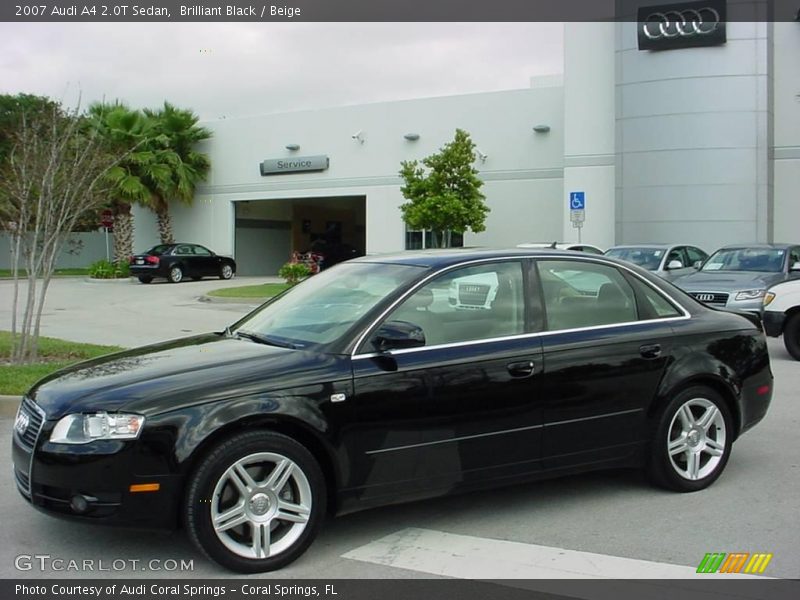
x=145, y=171
x=444, y=191
x=55, y=171
x=178, y=134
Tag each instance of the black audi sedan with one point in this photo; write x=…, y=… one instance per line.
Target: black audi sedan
x=395, y=378
x=177, y=261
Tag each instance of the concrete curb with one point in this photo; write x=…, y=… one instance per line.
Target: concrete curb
x=9, y=405
x=116, y=280
x=223, y=300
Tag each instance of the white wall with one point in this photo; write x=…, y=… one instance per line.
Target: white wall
x=692, y=140
x=523, y=170
x=786, y=150
x=589, y=129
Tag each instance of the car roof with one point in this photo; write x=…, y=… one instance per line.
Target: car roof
x=451, y=256
x=653, y=246
x=776, y=246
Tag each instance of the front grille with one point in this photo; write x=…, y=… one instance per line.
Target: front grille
x=36, y=417
x=711, y=297
x=473, y=294
x=27, y=440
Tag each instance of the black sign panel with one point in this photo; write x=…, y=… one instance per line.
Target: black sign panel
x=682, y=25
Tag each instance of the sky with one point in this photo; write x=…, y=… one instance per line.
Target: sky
x=228, y=70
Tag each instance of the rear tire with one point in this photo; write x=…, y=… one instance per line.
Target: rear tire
x=256, y=502
x=692, y=441
x=145, y=279
x=791, y=336
x=226, y=272
x=175, y=274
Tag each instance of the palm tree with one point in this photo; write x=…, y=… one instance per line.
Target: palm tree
x=177, y=129
x=143, y=170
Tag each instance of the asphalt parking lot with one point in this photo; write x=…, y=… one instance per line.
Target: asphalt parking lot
x=753, y=507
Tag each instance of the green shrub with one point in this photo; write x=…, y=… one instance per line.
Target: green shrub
x=103, y=269
x=293, y=272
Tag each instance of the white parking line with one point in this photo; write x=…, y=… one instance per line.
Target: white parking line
x=468, y=557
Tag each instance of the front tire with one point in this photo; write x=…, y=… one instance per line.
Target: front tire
x=175, y=274
x=692, y=441
x=791, y=336
x=145, y=279
x=256, y=502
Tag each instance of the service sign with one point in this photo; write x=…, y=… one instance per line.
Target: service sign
x=295, y=164
x=683, y=25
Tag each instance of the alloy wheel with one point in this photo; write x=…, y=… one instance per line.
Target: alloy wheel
x=261, y=505
x=696, y=439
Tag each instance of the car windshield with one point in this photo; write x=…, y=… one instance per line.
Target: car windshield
x=160, y=249
x=320, y=309
x=765, y=260
x=648, y=258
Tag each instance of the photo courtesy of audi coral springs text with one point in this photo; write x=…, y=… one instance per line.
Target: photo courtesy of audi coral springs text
x=392, y=378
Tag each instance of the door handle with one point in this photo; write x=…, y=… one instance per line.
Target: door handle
x=650, y=350
x=524, y=368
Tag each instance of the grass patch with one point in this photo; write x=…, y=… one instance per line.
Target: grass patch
x=265, y=290
x=54, y=354
x=58, y=272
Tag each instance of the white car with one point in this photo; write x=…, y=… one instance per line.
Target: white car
x=782, y=314
x=473, y=292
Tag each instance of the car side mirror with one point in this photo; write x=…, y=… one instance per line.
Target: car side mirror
x=697, y=264
x=397, y=335
x=674, y=264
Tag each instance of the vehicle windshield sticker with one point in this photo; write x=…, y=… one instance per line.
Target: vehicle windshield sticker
x=658, y=253
x=712, y=267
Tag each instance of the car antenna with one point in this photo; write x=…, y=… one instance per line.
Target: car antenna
x=553, y=245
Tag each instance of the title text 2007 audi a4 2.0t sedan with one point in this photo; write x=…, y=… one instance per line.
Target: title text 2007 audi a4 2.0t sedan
x=394, y=378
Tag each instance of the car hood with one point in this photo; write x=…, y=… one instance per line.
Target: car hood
x=163, y=377
x=726, y=281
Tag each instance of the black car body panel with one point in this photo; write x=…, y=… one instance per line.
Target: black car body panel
x=389, y=427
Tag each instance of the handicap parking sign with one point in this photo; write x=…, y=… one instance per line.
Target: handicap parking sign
x=577, y=201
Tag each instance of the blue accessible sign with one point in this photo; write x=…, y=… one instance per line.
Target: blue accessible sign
x=577, y=201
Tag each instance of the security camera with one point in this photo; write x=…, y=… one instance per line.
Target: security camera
x=358, y=135
x=481, y=155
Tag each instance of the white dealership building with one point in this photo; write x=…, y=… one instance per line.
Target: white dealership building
x=677, y=144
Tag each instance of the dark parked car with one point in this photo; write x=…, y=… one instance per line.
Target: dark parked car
x=177, y=261
x=365, y=385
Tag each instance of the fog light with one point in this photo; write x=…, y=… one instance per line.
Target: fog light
x=79, y=504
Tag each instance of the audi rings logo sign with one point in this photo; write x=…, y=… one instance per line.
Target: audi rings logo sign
x=705, y=297
x=685, y=25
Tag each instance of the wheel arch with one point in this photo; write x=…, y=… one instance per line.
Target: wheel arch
x=725, y=387
x=287, y=426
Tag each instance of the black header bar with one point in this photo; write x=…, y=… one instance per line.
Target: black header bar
x=363, y=10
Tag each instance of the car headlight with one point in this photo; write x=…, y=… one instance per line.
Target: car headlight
x=750, y=295
x=768, y=297
x=82, y=429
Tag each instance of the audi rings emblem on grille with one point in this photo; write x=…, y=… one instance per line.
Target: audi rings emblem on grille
x=21, y=423
x=684, y=23
x=704, y=297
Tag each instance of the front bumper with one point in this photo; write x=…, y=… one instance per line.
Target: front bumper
x=773, y=322
x=52, y=476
